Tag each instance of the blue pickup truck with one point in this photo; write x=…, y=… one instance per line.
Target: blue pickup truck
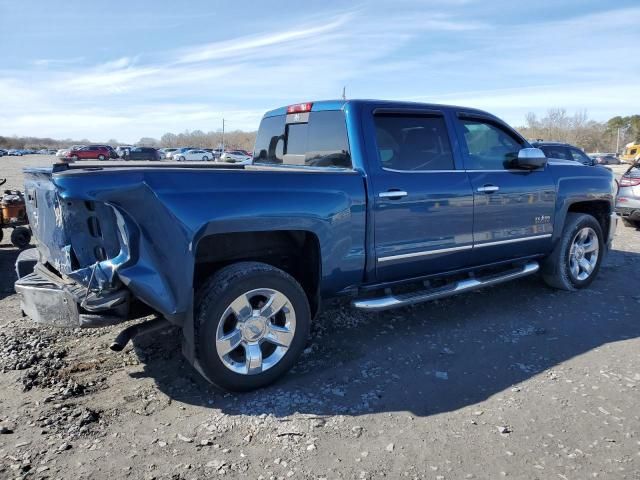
x=388, y=203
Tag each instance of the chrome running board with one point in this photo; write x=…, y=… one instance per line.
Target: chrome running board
x=404, y=299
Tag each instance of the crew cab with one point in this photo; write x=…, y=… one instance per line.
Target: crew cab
x=387, y=203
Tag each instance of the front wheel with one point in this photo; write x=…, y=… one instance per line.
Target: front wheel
x=576, y=259
x=182, y=159
x=252, y=323
x=101, y=157
x=205, y=158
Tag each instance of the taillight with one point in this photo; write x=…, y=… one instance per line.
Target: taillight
x=299, y=108
x=629, y=182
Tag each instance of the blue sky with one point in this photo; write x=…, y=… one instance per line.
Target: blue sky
x=128, y=69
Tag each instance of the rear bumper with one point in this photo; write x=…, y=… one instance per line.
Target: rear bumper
x=51, y=300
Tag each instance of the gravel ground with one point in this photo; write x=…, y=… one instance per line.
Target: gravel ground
x=515, y=381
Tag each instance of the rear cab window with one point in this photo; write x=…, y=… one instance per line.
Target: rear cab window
x=312, y=139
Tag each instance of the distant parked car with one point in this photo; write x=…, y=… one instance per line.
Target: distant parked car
x=2, y=152
x=121, y=149
x=142, y=153
x=606, y=159
x=175, y=155
x=564, y=151
x=15, y=152
x=167, y=152
x=89, y=152
x=195, y=154
x=628, y=198
x=236, y=156
x=112, y=151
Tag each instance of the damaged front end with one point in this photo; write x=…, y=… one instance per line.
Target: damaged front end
x=81, y=245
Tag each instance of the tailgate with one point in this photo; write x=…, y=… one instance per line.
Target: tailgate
x=70, y=234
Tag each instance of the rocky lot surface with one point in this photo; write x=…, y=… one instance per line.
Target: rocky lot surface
x=515, y=381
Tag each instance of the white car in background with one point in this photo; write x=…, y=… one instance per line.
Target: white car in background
x=236, y=156
x=194, y=154
x=167, y=152
x=63, y=152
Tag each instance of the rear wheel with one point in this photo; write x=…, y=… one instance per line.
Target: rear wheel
x=74, y=158
x=576, y=259
x=631, y=223
x=252, y=323
x=205, y=158
x=100, y=157
x=20, y=237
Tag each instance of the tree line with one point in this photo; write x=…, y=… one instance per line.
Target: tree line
x=555, y=125
x=579, y=130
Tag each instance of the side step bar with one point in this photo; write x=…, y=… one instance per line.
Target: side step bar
x=402, y=300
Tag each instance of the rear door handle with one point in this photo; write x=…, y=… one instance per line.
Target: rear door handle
x=393, y=194
x=488, y=189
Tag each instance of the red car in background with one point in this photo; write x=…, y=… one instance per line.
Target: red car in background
x=98, y=152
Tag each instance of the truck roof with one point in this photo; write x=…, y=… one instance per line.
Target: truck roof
x=323, y=105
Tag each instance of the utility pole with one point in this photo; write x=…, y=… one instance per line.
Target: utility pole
x=344, y=92
x=223, y=135
x=618, y=142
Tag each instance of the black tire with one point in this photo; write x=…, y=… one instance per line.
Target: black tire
x=74, y=158
x=182, y=159
x=556, y=267
x=213, y=299
x=100, y=157
x=205, y=158
x=20, y=237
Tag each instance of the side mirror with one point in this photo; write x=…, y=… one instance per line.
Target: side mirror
x=530, y=159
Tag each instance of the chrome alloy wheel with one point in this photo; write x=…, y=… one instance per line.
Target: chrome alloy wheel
x=583, y=255
x=255, y=331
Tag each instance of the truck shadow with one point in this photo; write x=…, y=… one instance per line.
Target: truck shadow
x=8, y=256
x=432, y=358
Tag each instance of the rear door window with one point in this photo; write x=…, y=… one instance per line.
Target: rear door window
x=413, y=142
x=318, y=139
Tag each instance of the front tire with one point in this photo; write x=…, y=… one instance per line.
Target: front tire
x=252, y=323
x=575, y=261
x=182, y=159
x=101, y=157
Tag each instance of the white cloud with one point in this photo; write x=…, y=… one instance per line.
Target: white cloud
x=383, y=51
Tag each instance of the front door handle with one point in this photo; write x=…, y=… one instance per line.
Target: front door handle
x=488, y=189
x=393, y=194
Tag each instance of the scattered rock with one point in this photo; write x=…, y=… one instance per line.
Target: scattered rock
x=64, y=446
